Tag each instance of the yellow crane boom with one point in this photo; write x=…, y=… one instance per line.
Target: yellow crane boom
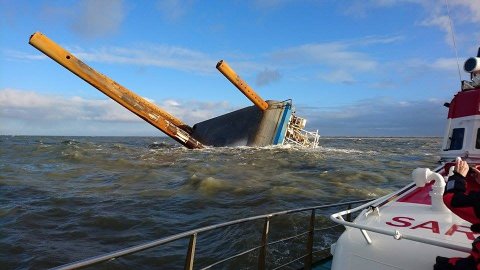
x=228, y=72
x=146, y=110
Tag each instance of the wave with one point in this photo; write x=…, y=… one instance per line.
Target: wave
x=92, y=194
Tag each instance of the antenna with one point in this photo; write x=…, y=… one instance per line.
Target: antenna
x=453, y=38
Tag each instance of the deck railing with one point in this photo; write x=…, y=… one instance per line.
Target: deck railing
x=261, y=249
x=301, y=137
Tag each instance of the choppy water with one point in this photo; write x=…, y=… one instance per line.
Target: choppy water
x=67, y=198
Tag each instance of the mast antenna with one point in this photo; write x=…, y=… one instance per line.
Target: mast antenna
x=453, y=39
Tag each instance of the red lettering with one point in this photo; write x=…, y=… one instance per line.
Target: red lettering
x=455, y=228
x=434, y=226
x=403, y=223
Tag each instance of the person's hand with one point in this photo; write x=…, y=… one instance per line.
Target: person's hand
x=461, y=167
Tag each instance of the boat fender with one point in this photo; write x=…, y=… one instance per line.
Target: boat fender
x=422, y=176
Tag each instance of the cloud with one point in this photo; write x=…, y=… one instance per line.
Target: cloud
x=163, y=56
x=267, y=76
x=442, y=22
x=338, y=76
x=359, y=9
x=335, y=54
x=466, y=9
x=192, y=111
x=88, y=18
x=98, y=18
x=378, y=117
x=462, y=12
x=334, y=62
x=373, y=40
x=32, y=106
x=174, y=10
x=12, y=54
x=326, y=61
x=341, y=62
x=410, y=70
x=336, y=57
x=447, y=64
x=28, y=111
x=31, y=113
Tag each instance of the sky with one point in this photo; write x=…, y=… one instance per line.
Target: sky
x=351, y=67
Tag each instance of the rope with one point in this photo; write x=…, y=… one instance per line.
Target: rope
x=453, y=38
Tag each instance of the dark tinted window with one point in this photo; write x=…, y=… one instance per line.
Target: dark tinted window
x=456, y=141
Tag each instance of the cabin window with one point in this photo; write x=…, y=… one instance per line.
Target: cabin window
x=456, y=141
x=477, y=143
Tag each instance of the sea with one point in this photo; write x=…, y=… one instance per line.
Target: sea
x=64, y=199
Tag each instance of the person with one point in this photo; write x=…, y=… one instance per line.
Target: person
x=462, y=197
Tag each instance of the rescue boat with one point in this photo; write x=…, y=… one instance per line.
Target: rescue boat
x=411, y=227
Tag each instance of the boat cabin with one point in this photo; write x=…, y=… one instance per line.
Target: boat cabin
x=462, y=133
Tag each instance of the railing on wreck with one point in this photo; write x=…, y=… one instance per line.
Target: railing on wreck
x=301, y=137
x=262, y=248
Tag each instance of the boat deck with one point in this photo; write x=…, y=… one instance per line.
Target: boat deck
x=406, y=230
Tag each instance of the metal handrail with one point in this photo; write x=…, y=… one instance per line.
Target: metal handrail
x=311, y=138
x=230, y=258
x=194, y=233
x=338, y=218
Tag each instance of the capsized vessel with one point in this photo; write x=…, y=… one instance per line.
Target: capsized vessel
x=265, y=123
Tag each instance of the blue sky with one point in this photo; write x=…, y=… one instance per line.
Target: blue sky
x=352, y=68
